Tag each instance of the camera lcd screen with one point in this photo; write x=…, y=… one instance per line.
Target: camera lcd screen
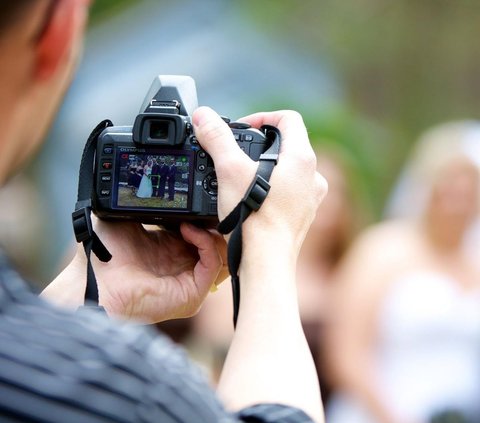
x=150, y=180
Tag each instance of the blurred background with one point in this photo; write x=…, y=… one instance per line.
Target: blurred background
x=368, y=77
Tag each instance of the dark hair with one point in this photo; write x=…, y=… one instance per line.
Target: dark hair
x=12, y=11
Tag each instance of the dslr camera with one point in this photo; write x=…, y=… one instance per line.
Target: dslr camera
x=156, y=171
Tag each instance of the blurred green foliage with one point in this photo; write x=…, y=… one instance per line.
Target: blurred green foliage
x=411, y=61
x=405, y=65
x=102, y=9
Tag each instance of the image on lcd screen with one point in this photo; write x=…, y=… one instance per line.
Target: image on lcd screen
x=159, y=181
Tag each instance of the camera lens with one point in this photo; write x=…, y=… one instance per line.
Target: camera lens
x=159, y=129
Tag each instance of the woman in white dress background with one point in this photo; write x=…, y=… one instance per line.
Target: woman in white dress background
x=404, y=335
x=145, y=189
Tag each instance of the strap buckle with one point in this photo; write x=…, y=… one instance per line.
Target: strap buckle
x=256, y=193
x=82, y=222
x=272, y=157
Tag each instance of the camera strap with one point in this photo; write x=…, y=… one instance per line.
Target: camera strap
x=81, y=217
x=252, y=201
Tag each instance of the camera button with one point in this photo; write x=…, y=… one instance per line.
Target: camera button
x=248, y=137
x=107, y=165
x=201, y=167
x=106, y=178
x=107, y=150
x=239, y=125
x=202, y=154
x=105, y=192
x=213, y=184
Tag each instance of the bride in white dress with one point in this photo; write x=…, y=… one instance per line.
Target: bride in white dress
x=145, y=189
x=404, y=339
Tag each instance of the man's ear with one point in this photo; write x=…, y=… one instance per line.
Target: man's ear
x=58, y=36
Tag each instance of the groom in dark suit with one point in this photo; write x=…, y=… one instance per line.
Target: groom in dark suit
x=163, y=171
x=155, y=177
x=172, y=171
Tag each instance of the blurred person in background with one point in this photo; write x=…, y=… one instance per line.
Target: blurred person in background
x=404, y=339
x=338, y=219
x=63, y=362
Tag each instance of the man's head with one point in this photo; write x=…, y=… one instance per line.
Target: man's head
x=40, y=41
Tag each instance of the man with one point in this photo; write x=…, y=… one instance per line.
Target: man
x=74, y=365
x=171, y=174
x=163, y=178
x=155, y=178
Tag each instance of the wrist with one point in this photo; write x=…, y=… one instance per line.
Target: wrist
x=269, y=257
x=68, y=288
x=261, y=237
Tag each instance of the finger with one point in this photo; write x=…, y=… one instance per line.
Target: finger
x=221, y=243
x=223, y=275
x=216, y=137
x=210, y=260
x=289, y=123
x=263, y=118
x=222, y=249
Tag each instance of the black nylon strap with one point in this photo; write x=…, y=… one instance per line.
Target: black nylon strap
x=82, y=223
x=252, y=201
x=85, y=176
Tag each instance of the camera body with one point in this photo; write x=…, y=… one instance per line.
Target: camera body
x=155, y=171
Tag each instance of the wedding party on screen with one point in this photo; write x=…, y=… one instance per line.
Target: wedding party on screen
x=153, y=181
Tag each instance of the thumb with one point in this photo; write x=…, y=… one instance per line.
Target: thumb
x=216, y=138
x=234, y=169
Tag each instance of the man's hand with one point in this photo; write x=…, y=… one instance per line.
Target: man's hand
x=154, y=275
x=296, y=187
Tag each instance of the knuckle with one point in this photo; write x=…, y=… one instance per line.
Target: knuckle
x=310, y=160
x=321, y=187
x=211, y=131
x=191, y=311
x=232, y=164
x=305, y=159
x=292, y=115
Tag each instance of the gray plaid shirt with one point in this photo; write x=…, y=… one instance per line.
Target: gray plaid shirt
x=65, y=367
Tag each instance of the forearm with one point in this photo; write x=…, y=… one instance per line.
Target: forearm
x=68, y=288
x=269, y=360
